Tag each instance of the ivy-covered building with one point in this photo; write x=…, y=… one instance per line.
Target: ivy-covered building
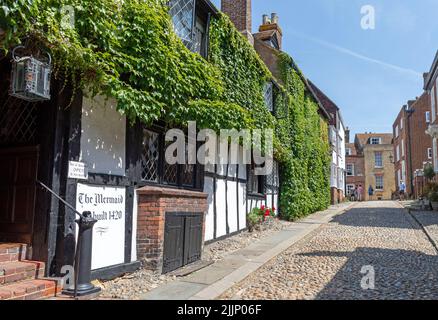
x=122, y=75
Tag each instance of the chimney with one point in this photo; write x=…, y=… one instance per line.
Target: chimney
x=240, y=14
x=272, y=24
x=425, y=76
x=347, y=135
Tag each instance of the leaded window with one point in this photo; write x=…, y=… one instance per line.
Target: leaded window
x=190, y=21
x=255, y=183
x=183, y=13
x=156, y=170
x=269, y=96
x=150, y=156
x=273, y=180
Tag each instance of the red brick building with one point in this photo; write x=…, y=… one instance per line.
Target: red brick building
x=355, y=166
x=412, y=146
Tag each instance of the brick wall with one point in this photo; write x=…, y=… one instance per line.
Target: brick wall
x=415, y=140
x=359, y=170
x=400, y=143
x=239, y=12
x=153, y=203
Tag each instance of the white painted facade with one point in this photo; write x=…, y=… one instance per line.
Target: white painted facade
x=103, y=150
x=231, y=201
x=338, y=166
x=103, y=136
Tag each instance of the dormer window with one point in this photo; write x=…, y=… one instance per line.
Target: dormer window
x=191, y=19
x=376, y=141
x=273, y=42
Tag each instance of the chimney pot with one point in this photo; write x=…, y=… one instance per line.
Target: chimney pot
x=266, y=19
x=274, y=18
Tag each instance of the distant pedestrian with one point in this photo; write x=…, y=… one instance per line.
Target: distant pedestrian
x=371, y=192
x=402, y=189
x=359, y=193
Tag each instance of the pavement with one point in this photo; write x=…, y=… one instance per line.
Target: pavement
x=213, y=281
x=374, y=251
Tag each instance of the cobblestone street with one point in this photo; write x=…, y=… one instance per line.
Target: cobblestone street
x=327, y=263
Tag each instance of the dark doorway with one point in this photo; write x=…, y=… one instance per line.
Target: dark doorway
x=17, y=193
x=23, y=149
x=182, y=240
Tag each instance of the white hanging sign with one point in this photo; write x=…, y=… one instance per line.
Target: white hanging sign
x=107, y=206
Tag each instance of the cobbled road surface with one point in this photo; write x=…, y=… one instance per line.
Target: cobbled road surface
x=331, y=263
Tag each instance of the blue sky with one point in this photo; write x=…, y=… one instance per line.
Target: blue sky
x=369, y=74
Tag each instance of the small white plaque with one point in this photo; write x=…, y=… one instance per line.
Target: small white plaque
x=77, y=170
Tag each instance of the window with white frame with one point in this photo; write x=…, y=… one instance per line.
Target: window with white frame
x=378, y=159
x=350, y=170
x=396, y=131
x=429, y=153
x=397, y=153
x=399, y=177
x=403, y=171
x=348, y=151
x=376, y=141
x=401, y=124
x=379, y=183
x=333, y=136
x=427, y=116
x=402, y=148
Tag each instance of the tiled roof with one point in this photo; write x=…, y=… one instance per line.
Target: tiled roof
x=363, y=138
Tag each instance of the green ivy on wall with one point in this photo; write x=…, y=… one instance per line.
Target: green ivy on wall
x=303, y=134
x=128, y=50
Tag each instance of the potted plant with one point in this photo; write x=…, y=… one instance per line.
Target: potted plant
x=259, y=216
x=253, y=219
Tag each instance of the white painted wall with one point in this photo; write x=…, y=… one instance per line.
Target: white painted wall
x=236, y=222
x=209, y=219
x=221, y=222
x=134, y=227
x=103, y=136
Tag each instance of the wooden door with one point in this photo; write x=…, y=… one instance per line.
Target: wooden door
x=182, y=240
x=18, y=172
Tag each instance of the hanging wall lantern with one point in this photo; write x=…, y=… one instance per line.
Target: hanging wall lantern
x=30, y=78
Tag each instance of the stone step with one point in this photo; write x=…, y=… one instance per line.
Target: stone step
x=20, y=270
x=35, y=289
x=10, y=252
